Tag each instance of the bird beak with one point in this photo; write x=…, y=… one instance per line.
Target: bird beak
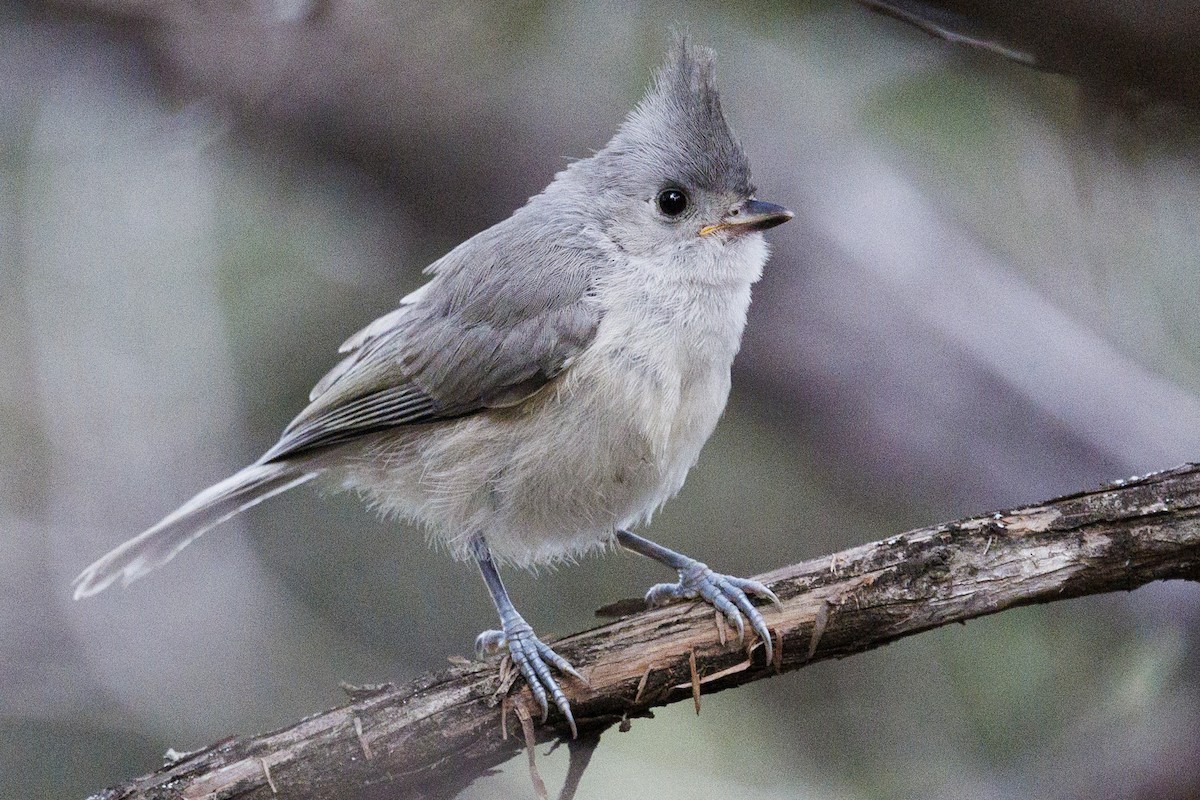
x=750, y=215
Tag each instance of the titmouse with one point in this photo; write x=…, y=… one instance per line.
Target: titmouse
x=552, y=384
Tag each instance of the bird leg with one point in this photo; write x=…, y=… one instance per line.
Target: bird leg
x=531, y=655
x=724, y=592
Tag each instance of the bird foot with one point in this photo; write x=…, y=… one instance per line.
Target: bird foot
x=727, y=594
x=533, y=658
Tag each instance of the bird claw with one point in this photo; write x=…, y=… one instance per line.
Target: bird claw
x=533, y=658
x=727, y=594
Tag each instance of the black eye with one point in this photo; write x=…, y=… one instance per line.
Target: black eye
x=672, y=202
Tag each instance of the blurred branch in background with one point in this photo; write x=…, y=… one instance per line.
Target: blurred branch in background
x=436, y=736
x=1127, y=51
x=398, y=88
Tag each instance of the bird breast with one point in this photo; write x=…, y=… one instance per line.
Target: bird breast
x=600, y=447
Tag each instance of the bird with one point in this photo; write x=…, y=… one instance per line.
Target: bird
x=551, y=384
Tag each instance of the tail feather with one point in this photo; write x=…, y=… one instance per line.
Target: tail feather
x=178, y=529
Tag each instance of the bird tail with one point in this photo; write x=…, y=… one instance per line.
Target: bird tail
x=178, y=529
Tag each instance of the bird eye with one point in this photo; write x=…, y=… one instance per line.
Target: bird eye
x=672, y=202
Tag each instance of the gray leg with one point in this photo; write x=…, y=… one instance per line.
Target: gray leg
x=724, y=592
x=528, y=652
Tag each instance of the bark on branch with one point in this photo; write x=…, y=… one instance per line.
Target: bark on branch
x=435, y=735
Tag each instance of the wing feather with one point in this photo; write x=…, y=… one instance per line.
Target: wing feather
x=495, y=324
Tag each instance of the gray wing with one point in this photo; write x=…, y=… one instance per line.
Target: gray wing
x=504, y=314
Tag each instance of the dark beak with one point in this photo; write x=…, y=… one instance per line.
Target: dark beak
x=750, y=215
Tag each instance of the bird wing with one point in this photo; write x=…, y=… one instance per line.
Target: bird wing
x=494, y=325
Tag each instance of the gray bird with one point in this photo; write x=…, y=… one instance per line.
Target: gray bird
x=552, y=384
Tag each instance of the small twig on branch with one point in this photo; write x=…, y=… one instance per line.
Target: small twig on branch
x=944, y=24
x=434, y=736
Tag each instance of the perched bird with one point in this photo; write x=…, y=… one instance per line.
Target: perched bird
x=553, y=382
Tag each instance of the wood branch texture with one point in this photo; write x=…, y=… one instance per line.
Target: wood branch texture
x=434, y=736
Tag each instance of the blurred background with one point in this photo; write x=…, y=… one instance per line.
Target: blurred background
x=988, y=297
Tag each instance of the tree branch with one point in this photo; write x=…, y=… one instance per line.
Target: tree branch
x=1146, y=52
x=437, y=734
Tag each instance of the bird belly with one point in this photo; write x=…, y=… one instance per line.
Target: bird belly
x=550, y=479
x=600, y=448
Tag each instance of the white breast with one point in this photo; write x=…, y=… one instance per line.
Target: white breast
x=671, y=333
